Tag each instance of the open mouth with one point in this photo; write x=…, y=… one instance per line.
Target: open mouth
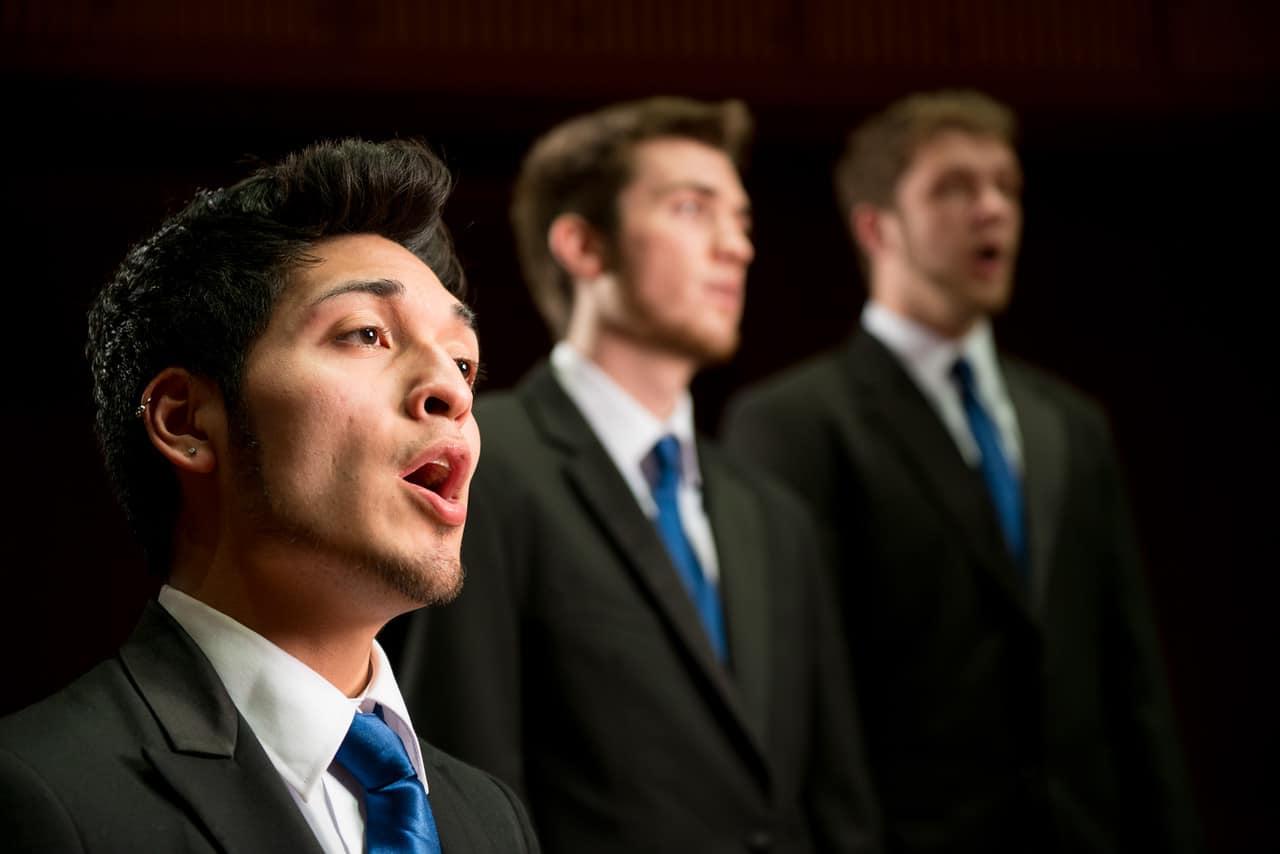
x=434, y=475
x=439, y=475
x=989, y=253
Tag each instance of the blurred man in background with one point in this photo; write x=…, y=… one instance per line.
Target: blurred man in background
x=643, y=648
x=1008, y=668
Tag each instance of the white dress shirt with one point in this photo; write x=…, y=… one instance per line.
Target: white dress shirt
x=628, y=432
x=928, y=358
x=299, y=717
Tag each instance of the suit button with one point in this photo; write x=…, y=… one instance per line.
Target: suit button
x=759, y=841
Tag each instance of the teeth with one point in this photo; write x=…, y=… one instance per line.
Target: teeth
x=432, y=475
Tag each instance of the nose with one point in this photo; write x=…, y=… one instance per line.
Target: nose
x=733, y=241
x=995, y=202
x=441, y=390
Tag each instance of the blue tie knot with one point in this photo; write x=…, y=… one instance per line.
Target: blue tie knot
x=397, y=814
x=963, y=373
x=373, y=753
x=666, y=453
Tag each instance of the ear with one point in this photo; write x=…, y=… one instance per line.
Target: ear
x=185, y=418
x=577, y=246
x=868, y=224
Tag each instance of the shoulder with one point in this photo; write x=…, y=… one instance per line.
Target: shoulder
x=477, y=803
x=790, y=407
x=502, y=413
x=65, y=758
x=74, y=719
x=33, y=815
x=782, y=508
x=1080, y=410
x=794, y=423
x=801, y=386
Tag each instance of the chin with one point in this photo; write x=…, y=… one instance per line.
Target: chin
x=420, y=579
x=990, y=298
x=996, y=304
x=711, y=348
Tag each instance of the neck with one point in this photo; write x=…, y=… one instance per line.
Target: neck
x=656, y=378
x=921, y=304
x=331, y=637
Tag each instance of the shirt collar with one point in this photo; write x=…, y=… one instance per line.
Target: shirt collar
x=298, y=716
x=930, y=356
x=627, y=430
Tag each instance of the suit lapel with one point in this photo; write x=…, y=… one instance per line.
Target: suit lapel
x=608, y=500
x=903, y=417
x=741, y=544
x=212, y=760
x=1044, y=451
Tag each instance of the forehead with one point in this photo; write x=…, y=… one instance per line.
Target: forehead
x=959, y=149
x=674, y=161
x=362, y=258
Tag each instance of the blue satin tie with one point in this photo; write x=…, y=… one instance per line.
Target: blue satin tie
x=397, y=815
x=666, y=464
x=1002, y=480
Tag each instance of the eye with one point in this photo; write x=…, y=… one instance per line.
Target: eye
x=689, y=206
x=469, y=368
x=1010, y=187
x=955, y=185
x=366, y=336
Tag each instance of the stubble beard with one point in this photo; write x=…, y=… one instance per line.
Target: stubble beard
x=648, y=328
x=431, y=579
x=954, y=292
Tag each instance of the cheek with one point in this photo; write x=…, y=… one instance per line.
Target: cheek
x=667, y=270
x=306, y=427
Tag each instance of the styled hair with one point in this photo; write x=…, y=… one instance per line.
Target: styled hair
x=880, y=150
x=199, y=292
x=584, y=164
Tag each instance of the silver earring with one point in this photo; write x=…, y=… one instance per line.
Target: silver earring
x=191, y=452
x=142, y=407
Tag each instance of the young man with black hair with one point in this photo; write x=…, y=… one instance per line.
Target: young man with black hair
x=283, y=383
x=643, y=649
x=1009, y=673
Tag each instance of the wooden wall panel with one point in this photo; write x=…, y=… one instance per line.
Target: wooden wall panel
x=1129, y=52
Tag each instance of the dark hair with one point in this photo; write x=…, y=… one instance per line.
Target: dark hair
x=200, y=291
x=582, y=165
x=881, y=148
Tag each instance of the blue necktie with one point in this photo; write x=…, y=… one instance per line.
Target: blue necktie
x=666, y=465
x=1002, y=480
x=397, y=815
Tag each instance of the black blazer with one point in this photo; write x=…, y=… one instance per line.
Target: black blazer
x=147, y=753
x=999, y=716
x=574, y=665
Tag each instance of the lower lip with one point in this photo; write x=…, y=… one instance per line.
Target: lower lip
x=726, y=297
x=453, y=513
x=988, y=266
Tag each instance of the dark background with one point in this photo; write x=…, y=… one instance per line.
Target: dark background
x=1145, y=279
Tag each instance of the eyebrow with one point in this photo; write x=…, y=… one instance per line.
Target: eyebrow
x=382, y=288
x=699, y=188
x=465, y=314
x=388, y=289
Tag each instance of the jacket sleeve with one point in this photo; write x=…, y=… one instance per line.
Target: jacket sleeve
x=32, y=818
x=1161, y=814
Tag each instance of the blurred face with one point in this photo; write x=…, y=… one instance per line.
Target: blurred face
x=361, y=442
x=681, y=252
x=951, y=239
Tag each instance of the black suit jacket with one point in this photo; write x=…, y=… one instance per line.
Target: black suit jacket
x=578, y=671
x=147, y=753
x=999, y=715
